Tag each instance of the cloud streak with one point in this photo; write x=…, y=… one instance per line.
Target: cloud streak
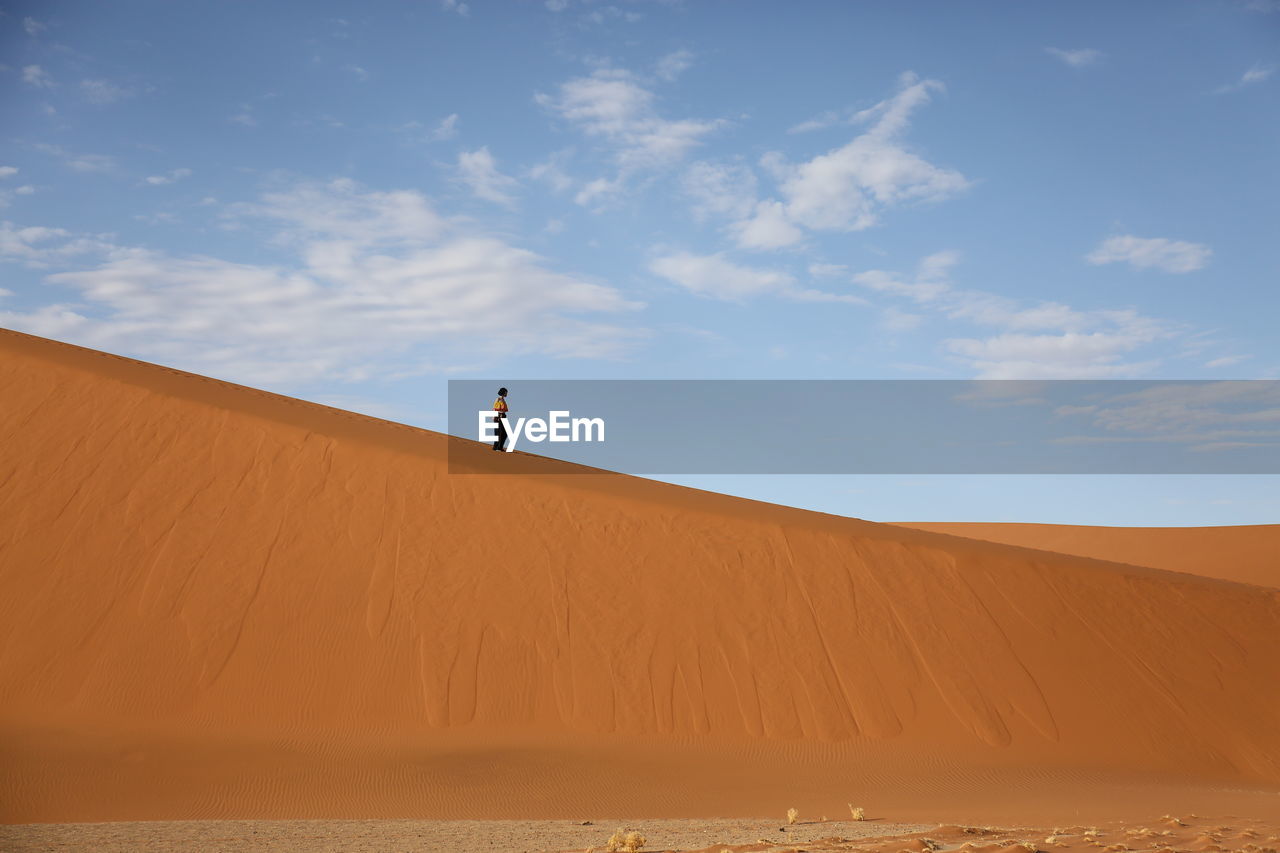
x=1172, y=256
x=849, y=188
x=381, y=284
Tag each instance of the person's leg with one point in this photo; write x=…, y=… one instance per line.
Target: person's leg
x=501, y=442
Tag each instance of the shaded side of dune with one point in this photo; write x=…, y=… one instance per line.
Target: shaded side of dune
x=1243, y=553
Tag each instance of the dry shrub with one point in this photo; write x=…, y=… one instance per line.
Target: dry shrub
x=857, y=812
x=625, y=842
x=792, y=814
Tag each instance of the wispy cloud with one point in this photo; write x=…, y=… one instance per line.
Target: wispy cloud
x=78, y=162
x=673, y=65
x=1175, y=256
x=381, y=284
x=168, y=178
x=446, y=129
x=1256, y=74
x=455, y=6
x=33, y=27
x=1211, y=416
x=34, y=75
x=1049, y=340
x=103, y=92
x=39, y=247
x=478, y=170
x=612, y=107
x=719, y=189
x=1076, y=58
x=848, y=188
x=716, y=277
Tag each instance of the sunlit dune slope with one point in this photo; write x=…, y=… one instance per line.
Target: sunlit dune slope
x=1244, y=553
x=239, y=572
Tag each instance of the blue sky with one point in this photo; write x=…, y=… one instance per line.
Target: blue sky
x=352, y=204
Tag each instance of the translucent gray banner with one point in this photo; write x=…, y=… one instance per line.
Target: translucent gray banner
x=664, y=427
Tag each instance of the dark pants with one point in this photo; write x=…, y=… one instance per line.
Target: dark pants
x=501, y=443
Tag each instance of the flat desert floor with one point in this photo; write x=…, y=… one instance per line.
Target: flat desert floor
x=1164, y=834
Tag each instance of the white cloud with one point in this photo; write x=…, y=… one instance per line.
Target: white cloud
x=381, y=285
x=1048, y=340
x=673, y=65
x=599, y=189
x=91, y=163
x=1071, y=355
x=718, y=278
x=827, y=270
x=33, y=27
x=1175, y=256
x=478, y=170
x=25, y=189
x=1076, y=58
x=603, y=14
x=1226, y=361
x=34, y=75
x=446, y=129
x=712, y=275
x=8, y=171
x=552, y=171
x=103, y=92
x=455, y=6
x=40, y=247
x=1256, y=74
x=174, y=175
x=356, y=71
x=613, y=107
x=720, y=190
x=557, y=5
x=767, y=228
x=847, y=188
x=78, y=162
x=896, y=320
x=1227, y=413
x=828, y=118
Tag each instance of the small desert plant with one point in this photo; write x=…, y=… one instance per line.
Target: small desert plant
x=792, y=814
x=625, y=842
x=857, y=812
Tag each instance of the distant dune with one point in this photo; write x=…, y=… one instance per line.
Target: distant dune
x=1245, y=553
x=219, y=602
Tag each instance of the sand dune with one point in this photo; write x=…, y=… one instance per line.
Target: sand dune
x=219, y=603
x=1245, y=553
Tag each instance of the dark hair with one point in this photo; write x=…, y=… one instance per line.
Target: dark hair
x=502, y=392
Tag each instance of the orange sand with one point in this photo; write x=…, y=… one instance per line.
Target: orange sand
x=223, y=603
x=1246, y=553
